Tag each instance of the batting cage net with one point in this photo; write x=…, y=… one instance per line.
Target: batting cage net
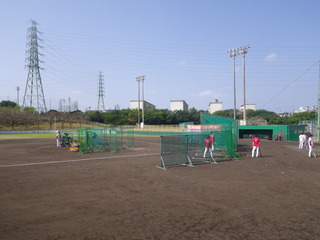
x=189, y=147
x=181, y=150
x=225, y=131
x=105, y=139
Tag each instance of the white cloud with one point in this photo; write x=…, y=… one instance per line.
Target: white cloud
x=208, y=93
x=76, y=92
x=272, y=57
x=182, y=63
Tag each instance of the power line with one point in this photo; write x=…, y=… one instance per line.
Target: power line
x=276, y=95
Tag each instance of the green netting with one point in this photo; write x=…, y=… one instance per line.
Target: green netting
x=172, y=145
x=85, y=140
x=189, y=148
x=99, y=140
x=226, y=135
x=182, y=149
x=104, y=139
x=173, y=150
x=196, y=148
x=128, y=131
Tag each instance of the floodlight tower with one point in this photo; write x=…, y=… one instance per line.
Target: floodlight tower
x=243, y=51
x=33, y=95
x=140, y=79
x=233, y=53
x=101, y=93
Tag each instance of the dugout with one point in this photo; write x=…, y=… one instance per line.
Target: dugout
x=270, y=132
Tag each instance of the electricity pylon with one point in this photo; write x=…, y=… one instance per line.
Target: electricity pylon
x=101, y=93
x=33, y=95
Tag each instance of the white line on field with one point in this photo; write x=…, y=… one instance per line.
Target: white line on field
x=75, y=160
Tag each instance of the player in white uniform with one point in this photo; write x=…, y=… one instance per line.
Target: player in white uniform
x=302, y=139
x=310, y=144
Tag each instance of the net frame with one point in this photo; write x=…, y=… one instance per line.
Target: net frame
x=183, y=150
x=104, y=139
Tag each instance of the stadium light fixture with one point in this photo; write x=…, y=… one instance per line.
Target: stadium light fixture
x=233, y=53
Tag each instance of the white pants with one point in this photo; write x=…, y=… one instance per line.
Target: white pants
x=255, y=149
x=301, y=143
x=212, y=147
x=206, y=150
x=310, y=151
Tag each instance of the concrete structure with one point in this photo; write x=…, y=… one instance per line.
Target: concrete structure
x=145, y=105
x=248, y=107
x=176, y=105
x=215, y=106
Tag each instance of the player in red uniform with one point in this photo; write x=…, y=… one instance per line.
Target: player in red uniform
x=208, y=147
x=280, y=136
x=255, y=146
x=211, y=136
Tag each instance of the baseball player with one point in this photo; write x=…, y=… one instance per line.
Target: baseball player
x=58, y=139
x=211, y=136
x=208, y=147
x=310, y=144
x=255, y=146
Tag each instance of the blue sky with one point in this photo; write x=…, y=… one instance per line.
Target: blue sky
x=179, y=45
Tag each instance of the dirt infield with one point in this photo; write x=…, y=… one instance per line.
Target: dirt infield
x=49, y=193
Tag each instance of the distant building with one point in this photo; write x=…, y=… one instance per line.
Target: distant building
x=178, y=105
x=146, y=105
x=285, y=114
x=248, y=107
x=307, y=109
x=215, y=106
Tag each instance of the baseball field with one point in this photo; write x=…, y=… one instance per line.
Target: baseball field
x=50, y=193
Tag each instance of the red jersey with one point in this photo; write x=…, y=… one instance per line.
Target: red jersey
x=207, y=143
x=256, y=142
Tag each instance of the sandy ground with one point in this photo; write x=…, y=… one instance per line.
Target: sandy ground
x=49, y=193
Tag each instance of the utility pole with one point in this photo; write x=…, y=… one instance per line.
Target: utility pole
x=233, y=53
x=33, y=95
x=69, y=103
x=101, y=93
x=18, y=89
x=319, y=105
x=140, y=79
x=243, y=51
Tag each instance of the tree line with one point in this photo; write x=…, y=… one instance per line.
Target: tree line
x=12, y=115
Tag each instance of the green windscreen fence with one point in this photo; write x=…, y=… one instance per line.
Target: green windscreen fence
x=188, y=148
x=184, y=149
x=225, y=131
x=173, y=151
x=105, y=139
